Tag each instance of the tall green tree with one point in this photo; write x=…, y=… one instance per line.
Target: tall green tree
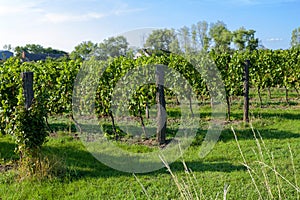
x=111, y=47
x=245, y=39
x=295, y=39
x=175, y=46
x=194, y=38
x=162, y=39
x=185, y=39
x=221, y=37
x=202, y=31
x=83, y=50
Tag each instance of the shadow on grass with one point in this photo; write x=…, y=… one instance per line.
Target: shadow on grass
x=280, y=104
x=174, y=113
x=7, y=151
x=203, y=167
x=264, y=114
x=247, y=134
x=81, y=164
x=55, y=127
x=243, y=133
x=129, y=130
x=281, y=114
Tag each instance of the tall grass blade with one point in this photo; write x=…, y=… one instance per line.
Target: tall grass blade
x=246, y=165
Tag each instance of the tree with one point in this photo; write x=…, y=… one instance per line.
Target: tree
x=175, y=46
x=252, y=42
x=195, y=43
x=8, y=47
x=295, y=39
x=261, y=45
x=244, y=39
x=37, y=49
x=221, y=37
x=202, y=30
x=83, y=50
x=162, y=39
x=111, y=47
x=185, y=39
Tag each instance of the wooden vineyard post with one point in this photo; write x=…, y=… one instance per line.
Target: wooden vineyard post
x=161, y=106
x=28, y=93
x=246, y=91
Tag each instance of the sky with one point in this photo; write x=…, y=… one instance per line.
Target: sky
x=63, y=24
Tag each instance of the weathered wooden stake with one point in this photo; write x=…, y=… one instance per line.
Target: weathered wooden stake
x=246, y=91
x=161, y=106
x=28, y=93
x=147, y=110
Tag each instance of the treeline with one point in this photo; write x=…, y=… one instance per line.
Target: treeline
x=201, y=36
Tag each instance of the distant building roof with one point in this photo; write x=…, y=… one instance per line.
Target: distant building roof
x=4, y=54
x=39, y=56
x=142, y=52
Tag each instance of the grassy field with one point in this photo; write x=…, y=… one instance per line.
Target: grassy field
x=246, y=168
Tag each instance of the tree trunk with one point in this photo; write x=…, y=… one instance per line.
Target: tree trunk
x=113, y=125
x=202, y=100
x=177, y=101
x=269, y=93
x=286, y=95
x=161, y=106
x=48, y=125
x=228, y=107
x=298, y=95
x=77, y=124
x=190, y=102
x=142, y=122
x=259, y=96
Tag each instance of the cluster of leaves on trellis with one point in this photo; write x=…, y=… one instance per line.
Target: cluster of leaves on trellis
x=268, y=68
x=53, y=83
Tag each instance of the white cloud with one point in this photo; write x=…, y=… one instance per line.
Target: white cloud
x=46, y=12
x=274, y=39
x=62, y=18
x=71, y=17
x=18, y=8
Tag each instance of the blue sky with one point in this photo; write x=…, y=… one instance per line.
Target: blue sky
x=62, y=24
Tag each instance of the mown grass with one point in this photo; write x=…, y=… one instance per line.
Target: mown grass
x=78, y=175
